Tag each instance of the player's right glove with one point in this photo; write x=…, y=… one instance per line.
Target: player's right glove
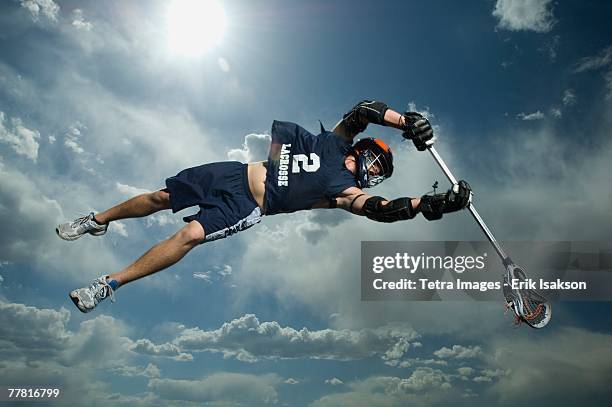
x=458, y=197
x=418, y=129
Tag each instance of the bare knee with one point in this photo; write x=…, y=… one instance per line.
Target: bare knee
x=161, y=199
x=192, y=234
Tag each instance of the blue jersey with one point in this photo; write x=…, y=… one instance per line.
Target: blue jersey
x=304, y=169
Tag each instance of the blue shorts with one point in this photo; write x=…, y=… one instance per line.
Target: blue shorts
x=221, y=190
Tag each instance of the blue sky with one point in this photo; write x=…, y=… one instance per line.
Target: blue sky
x=95, y=108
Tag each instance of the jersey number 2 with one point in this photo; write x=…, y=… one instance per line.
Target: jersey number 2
x=303, y=161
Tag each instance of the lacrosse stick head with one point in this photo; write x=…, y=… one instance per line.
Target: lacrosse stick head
x=528, y=305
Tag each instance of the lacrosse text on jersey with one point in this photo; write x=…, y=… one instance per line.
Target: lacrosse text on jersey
x=283, y=167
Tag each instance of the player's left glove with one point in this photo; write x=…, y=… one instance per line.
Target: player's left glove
x=418, y=129
x=458, y=197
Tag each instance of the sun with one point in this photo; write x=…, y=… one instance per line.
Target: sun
x=194, y=26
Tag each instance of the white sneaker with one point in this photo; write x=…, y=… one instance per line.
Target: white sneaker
x=87, y=298
x=80, y=226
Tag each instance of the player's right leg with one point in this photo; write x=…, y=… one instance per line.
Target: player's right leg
x=97, y=224
x=159, y=257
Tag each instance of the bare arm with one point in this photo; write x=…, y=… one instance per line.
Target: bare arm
x=394, y=119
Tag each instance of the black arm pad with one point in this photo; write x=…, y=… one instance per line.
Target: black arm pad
x=398, y=209
x=366, y=111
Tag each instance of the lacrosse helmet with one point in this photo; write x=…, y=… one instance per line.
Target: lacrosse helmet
x=374, y=161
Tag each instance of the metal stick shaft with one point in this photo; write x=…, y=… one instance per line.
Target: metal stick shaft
x=471, y=207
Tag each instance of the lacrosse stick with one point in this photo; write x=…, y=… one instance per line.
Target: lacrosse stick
x=528, y=305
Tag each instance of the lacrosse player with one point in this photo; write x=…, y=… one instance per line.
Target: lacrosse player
x=303, y=171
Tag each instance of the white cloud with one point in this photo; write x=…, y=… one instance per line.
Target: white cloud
x=206, y=277
x=78, y=386
x=48, y=8
x=231, y=388
x=569, y=97
x=225, y=271
x=50, y=351
x=419, y=361
x=530, y=15
x=465, y=371
x=603, y=59
x=459, y=352
x=412, y=107
x=101, y=332
x=1, y=279
x=218, y=273
x=79, y=22
x=74, y=146
x=552, y=150
x=162, y=219
x=487, y=375
x=394, y=354
x=424, y=387
x=36, y=346
x=319, y=223
x=423, y=378
x=29, y=219
x=537, y=115
x=334, y=381
x=48, y=337
x=118, y=227
x=254, y=148
x=151, y=371
x=72, y=136
x=146, y=347
x=112, y=119
x=23, y=140
x=46, y=331
x=130, y=190
x=249, y=340
x=567, y=100
x=575, y=360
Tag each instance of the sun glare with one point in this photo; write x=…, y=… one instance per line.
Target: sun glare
x=194, y=26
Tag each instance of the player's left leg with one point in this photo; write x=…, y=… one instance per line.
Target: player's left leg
x=159, y=257
x=97, y=225
x=137, y=207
